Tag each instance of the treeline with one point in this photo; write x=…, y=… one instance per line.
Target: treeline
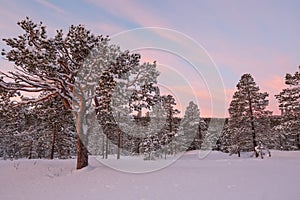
x=47, y=130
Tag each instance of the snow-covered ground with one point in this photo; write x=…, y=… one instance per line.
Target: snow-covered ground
x=218, y=177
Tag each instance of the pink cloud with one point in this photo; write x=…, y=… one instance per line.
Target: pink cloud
x=132, y=11
x=275, y=84
x=251, y=59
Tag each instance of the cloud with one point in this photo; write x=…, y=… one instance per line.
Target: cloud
x=132, y=11
x=103, y=28
x=51, y=6
x=276, y=83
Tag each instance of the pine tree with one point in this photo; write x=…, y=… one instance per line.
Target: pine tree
x=249, y=120
x=168, y=105
x=168, y=134
x=289, y=104
x=225, y=139
x=192, y=128
x=50, y=65
x=152, y=144
x=213, y=134
x=61, y=67
x=132, y=91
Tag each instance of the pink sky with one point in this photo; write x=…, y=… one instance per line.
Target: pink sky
x=257, y=37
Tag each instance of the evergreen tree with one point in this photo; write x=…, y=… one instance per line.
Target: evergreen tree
x=192, y=128
x=289, y=104
x=135, y=91
x=212, y=137
x=152, y=144
x=225, y=139
x=168, y=134
x=168, y=105
x=50, y=65
x=249, y=120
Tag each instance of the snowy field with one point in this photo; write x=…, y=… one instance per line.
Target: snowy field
x=217, y=177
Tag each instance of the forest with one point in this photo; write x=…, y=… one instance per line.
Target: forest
x=92, y=98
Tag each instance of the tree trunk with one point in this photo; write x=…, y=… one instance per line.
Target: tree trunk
x=103, y=147
x=171, y=121
x=252, y=125
x=119, y=137
x=106, y=148
x=165, y=153
x=30, y=151
x=52, y=143
x=82, y=154
x=254, y=137
x=298, y=140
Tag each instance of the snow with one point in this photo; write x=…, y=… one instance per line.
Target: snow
x=217, y=176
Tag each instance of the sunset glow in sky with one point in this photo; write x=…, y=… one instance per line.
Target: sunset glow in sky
x=256, y=37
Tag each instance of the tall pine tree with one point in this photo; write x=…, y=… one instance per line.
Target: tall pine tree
x=249, y=120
